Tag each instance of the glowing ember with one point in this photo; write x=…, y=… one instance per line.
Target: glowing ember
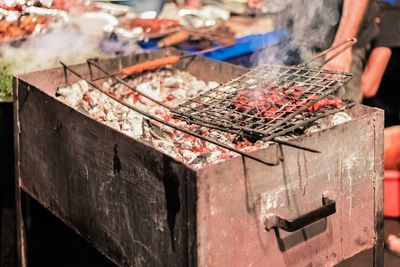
x=272, y=102
x=171, y=87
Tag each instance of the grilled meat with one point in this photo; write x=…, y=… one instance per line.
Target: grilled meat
x=273, y=102
x=21, y=28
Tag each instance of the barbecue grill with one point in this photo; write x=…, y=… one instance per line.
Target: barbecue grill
x=288, y=206
x=220, y=108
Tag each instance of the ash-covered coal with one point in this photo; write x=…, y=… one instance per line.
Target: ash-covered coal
x=169, y=86
x=101, y=107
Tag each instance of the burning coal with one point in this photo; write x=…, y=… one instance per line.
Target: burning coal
x=171, y=87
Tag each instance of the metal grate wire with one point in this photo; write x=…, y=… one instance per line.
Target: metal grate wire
x=295, y=90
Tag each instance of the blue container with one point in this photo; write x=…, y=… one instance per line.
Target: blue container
x=244, y=46
x=249, y=44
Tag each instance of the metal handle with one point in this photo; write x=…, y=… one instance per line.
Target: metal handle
x=343, y=45
x=274, y=221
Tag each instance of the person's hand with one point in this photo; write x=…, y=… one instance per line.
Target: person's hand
x=340, y=63
x=254, y=4
x=393, y=243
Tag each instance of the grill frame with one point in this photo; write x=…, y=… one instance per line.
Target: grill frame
x=214, y=107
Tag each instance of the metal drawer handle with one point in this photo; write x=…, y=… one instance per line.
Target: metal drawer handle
x=274, y=221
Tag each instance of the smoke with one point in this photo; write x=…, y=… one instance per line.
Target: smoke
x=73, y=42
x=312, y=25
x=63, y=44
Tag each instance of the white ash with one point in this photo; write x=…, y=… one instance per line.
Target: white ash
x=325, y=123
x=340, y=118
x=74, y=93
x=169, y=86
x=101, y=107
x=313, y=129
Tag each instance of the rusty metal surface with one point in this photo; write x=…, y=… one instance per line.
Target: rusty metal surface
x=143, y=208
x=234, y=198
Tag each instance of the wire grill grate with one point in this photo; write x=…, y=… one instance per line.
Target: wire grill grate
x=268, y=101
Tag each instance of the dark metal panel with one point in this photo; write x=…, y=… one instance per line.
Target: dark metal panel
x=378, y=187
x=124, y=197
x=20, y=233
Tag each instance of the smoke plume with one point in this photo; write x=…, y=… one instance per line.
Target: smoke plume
x=312, y=25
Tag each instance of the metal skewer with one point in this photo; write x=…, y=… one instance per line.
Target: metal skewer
x=124, y=77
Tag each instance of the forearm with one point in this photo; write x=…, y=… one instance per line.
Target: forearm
x=352, y=17
x=374, y=71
